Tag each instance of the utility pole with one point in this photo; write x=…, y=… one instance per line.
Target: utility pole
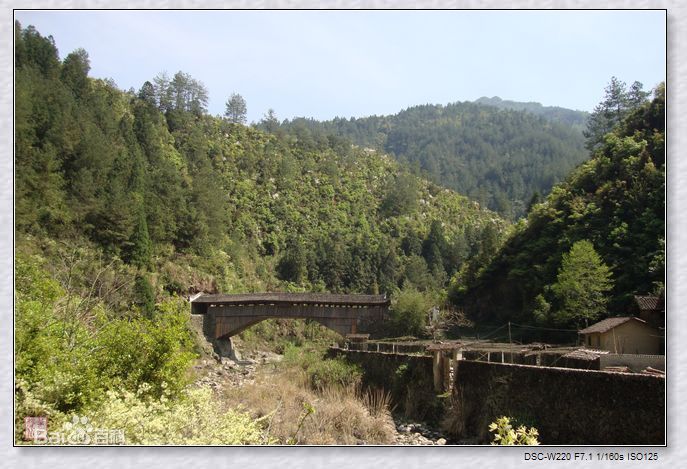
x=510, y=341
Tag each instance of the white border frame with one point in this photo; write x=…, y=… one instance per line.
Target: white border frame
x=311, y=457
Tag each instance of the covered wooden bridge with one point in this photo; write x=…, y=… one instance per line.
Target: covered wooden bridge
x=227, y=315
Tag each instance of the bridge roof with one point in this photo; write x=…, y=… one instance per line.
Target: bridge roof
x=293, y=298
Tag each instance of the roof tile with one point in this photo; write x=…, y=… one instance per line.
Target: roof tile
x=608, y=324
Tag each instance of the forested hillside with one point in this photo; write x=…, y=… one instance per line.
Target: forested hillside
x=598, y=236
x=498, y=157
x=150, y=178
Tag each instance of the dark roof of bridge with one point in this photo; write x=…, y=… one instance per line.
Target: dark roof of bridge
x=294, y=298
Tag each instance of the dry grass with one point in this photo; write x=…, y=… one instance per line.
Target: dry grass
x=339, y=414
x=377, y=401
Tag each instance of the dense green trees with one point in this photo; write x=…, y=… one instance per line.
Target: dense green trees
x=124, y=200
x=149, y=175
x=496, y=156
x=616, y=201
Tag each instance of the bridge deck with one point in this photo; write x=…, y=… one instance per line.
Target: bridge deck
x=227, y=315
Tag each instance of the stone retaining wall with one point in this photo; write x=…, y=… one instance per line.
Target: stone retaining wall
x=567, y=406
x=408, y=378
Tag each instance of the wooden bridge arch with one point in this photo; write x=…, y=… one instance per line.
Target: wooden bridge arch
x=227, y=315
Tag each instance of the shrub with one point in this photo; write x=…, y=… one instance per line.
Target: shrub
x=52, y=342
x=322, y=373
x=69, y=354
x=333, y=373
x=152, y=351
x=196, y=418
x=505, y=434
x=409, y=312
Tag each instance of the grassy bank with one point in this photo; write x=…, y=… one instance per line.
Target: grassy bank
x=307, y=399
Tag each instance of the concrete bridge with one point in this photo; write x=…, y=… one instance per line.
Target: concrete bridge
x=227, y=315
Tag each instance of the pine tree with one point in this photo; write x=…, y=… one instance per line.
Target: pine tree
x=75, y=70
x=617, y=104
x=236, y=109
x=145, y=295
x=139, y=254
x=534, y=200
x=269, y=122
x=434, y=246
x=147, y=93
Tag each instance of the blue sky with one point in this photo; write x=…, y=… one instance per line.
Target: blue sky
x=324, y=64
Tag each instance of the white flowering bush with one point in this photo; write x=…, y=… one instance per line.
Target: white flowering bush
x=195, y=418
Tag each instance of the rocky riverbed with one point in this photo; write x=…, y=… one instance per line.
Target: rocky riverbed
x=227, y=372
x=413, y=433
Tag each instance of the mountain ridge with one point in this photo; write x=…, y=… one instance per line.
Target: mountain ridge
x=498, y=157
x=575, y=118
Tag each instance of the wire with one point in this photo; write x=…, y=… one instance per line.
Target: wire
x=544, y=328
x=487, y=335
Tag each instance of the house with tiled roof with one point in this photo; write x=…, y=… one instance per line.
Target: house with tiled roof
x=651, y=308
x=626, y=334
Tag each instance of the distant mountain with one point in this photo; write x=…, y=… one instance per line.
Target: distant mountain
x=575, y=119
x=498, y=157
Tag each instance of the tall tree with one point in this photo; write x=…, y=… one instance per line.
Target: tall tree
x=236, y=109
x=139, y=246
x=147, y=93
x=75, y=70
x=162, y=91
x=269, y=121
x=616, y=105
x=434, y=246
x=184, y=93
x=636, y=96
x=581, y=286
x=534, y=200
